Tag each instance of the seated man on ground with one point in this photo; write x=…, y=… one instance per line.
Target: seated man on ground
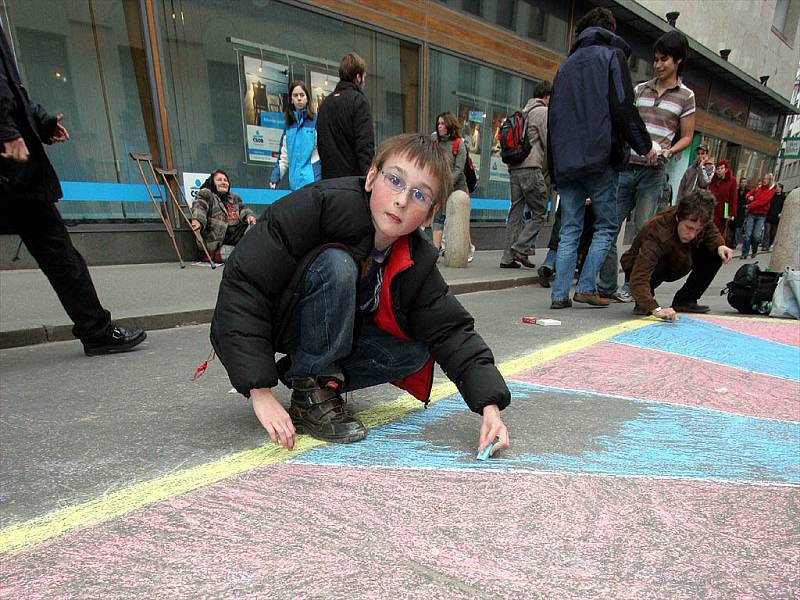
x=219, y=215
x=677, y=241
x=338, y=277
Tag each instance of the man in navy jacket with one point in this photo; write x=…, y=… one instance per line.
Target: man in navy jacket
x=592, y=124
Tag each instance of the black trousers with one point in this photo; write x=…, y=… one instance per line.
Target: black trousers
x=39, y=224
x=705, y=265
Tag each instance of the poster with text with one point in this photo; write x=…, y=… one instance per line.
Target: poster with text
x=322, y=85
x=498, y=170
x=262, y=103
x=191, y=185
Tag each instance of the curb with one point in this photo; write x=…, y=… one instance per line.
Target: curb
x=61, y=333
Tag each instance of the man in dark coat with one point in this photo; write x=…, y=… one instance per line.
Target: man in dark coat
x=338, y=277
x=30, y=188
x=345, y=140
x=591, y=122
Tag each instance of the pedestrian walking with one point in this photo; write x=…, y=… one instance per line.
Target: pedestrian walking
x=529, y=187
x=591, y=121
x=30, y=189
x=773, y=218
x=298, y=154
x=758, y=202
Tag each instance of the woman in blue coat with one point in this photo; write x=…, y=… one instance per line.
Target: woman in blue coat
x=299, y=142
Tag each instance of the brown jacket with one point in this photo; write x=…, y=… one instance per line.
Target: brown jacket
x=658, y=244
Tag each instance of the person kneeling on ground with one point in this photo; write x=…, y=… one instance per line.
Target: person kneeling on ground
x=338, y=277
x=219, y=214
x=677, y=241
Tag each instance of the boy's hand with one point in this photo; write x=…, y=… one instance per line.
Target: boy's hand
x=492, y=427
x=273, y=417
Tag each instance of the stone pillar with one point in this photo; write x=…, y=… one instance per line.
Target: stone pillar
x=456, y=230
x=786, y=251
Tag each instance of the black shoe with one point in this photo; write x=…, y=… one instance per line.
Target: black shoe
x=545, y=274
x=638, y=310
x=691, y=308
x=556, y=304
x=511, y=265
x=523, y=260
x=118, y=339
x=320, y=412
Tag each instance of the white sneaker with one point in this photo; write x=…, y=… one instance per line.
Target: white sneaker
x=622, y=296
x=471, y=254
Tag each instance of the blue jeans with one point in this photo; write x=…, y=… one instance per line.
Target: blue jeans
x=753, y=230
x=638, y=191
x=327, y=337
x=550, y=259
x=601, y=189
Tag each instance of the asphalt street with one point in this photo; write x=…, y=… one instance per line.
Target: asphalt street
x=647, y=460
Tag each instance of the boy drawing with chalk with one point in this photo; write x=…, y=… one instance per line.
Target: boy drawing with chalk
x=338, y=277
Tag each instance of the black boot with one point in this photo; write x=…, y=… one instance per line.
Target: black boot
x=319, y=411
x=118, y=339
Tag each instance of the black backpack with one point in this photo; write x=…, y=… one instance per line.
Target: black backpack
x=469, y=168
x=751, y=290
x=513, y=136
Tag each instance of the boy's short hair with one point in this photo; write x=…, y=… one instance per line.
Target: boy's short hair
x=597, y=17
x=425, y=153
x=674, y=44
x=697, y=205
x=543, y=89
x=350, y=66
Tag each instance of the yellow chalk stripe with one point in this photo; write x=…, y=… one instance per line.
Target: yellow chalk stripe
x=133, y=497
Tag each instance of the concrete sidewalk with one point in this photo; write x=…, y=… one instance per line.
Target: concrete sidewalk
x=160, y=296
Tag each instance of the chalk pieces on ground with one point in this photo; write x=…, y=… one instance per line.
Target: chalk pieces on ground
x=487, y=452
x=540, y=321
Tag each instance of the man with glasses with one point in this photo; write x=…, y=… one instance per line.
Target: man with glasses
x=338, y=277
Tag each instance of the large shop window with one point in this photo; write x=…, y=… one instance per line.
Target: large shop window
x=480, y=97
x=542, y=21
x=86, y=60
x=227, y=70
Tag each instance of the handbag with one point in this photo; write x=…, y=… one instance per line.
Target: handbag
x=786, y=299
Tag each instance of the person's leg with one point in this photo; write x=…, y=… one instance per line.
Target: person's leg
x=42, y=230
x=318, y=338
x=535, y=193
x=437, y=229
x=602, y=190
x=514, y=220
x=234, y=233
x=758, y=232
x=749, y=224
x=609, y=271
x=379, y=357
x=705, y=265
x=572, y=206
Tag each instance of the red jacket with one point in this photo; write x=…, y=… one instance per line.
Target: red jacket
x=724, y=191
x=760, y=199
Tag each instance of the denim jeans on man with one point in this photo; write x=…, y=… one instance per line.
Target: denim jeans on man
x=753, y=230
x=328, y=337
x=528, y=188
x=638, y=190
x=601, y=188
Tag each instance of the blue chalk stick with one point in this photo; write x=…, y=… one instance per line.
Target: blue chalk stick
x=486, y=452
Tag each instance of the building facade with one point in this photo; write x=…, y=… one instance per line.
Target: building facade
x=199, y=84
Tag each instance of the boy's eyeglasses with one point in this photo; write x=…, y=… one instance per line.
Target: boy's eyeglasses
x=398, y=186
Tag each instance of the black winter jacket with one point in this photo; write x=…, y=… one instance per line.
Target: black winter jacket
x=345, y=141
x=19, y=117
x=592, y=118
x=261, y=285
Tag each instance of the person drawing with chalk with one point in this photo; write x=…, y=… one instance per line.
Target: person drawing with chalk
x=338, y=277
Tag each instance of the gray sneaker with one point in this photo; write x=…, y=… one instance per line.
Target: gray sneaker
x=621, y=296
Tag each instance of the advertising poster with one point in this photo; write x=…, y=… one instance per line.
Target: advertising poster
x=498, y=170
x=471, y=119
x=191, y=184
x=262, y=103
x=322, y=85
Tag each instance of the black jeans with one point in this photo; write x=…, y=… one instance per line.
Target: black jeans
x=39, y=224
x=705, y=265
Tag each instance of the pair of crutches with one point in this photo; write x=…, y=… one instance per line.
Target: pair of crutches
x=169, y=177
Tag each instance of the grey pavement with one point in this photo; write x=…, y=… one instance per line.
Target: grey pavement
x=159, y=296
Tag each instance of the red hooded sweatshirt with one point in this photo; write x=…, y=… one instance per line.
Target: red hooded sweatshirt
x=761, y=199
x=724, y=191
